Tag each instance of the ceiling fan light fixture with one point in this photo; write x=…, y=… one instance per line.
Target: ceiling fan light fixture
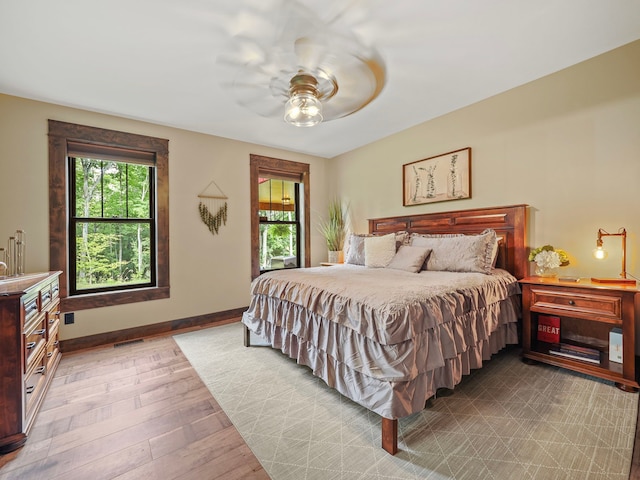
x=303, y=109
x=315, y=67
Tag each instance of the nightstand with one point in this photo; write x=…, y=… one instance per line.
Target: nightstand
x=585, y=313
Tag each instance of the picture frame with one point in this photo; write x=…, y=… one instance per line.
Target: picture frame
x=437, y=179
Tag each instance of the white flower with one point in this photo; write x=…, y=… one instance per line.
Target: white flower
x=547, y=259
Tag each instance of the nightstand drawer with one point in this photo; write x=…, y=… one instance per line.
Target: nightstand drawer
x=576, y=303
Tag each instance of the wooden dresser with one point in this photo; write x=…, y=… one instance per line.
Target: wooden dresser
x=29, y=352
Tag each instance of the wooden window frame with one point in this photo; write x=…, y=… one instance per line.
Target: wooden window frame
x=61, y=136
x=296, y=171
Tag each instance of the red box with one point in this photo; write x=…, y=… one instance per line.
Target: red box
x=549, y=328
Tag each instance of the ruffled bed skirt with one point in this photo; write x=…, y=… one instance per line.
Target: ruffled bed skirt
x=392, y=380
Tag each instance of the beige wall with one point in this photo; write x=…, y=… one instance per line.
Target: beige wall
x=208, y=273
x=568, y=145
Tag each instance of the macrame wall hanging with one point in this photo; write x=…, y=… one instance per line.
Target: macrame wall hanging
x=213, y=207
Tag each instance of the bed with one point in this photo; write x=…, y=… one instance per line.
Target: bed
x=387, y=338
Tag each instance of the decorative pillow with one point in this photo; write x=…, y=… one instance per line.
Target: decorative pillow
x=355, y=252
x=355, y=249
x=425, y=242
x=409, y=259
x=378, y=251
x=459, y=253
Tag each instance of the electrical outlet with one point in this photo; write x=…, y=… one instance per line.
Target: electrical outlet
x=69, y=318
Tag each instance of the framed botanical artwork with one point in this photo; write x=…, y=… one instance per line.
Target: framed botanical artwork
x=437, y=179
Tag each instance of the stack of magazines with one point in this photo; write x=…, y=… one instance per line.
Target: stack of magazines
x=575, y=352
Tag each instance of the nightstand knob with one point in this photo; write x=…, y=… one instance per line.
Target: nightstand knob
x=571, y=302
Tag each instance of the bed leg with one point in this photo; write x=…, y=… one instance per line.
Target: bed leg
x=247, y=336
x=390, y=435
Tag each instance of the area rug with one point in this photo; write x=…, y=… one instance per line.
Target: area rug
x=507, y=420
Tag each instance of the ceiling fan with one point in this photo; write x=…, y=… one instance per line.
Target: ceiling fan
x=284, y=61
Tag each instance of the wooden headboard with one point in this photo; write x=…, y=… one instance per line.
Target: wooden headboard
x=510, y=224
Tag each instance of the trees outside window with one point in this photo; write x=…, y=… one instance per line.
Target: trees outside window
x=279, y=224
x=111, y=224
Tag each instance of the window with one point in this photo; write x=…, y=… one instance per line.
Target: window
x=279, y=214
x=279, y=224
x=111, y=225
x=109, y=220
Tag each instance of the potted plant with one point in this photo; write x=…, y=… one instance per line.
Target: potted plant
x=334, y=230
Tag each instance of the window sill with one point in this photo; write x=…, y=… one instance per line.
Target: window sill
x=97, y=300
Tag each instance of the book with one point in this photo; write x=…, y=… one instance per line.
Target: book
x=581, y=352
x=575, y=357
x=549, y=328
x=615, y=345
x=579, y=349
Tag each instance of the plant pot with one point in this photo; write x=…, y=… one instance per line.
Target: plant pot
x=336, y=256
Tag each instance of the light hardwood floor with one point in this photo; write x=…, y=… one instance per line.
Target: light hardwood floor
x=135, y=411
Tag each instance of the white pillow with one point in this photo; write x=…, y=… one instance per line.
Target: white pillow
x=409, y=259
x=460, y=253
x=379, y=251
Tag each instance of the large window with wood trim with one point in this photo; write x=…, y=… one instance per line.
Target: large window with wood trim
x=108, y=215
x=279, y=214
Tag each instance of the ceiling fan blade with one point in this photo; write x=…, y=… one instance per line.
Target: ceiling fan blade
x=359, y=84
x=350, y=15
x=310, y=53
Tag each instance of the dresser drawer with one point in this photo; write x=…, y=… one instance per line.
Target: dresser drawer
x=53, y=346
x=576, y=303
x=55, y=288
x=35, y=338
x=31, y=307
x=46, y=296
x=34, y=382
x=52, y=315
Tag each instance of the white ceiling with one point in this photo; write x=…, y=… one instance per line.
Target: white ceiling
x=155, y=60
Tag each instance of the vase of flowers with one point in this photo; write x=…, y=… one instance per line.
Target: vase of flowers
x=548, y=260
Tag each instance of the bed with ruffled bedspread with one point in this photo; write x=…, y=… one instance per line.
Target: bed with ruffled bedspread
x=389, y=339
